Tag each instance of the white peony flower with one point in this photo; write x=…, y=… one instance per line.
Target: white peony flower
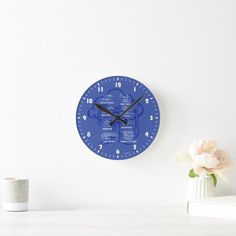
x=205, y=157
x=205, y=160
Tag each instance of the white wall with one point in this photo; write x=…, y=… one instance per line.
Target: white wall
x=52, y=51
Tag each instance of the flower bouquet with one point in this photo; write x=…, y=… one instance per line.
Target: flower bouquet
x=207, y=162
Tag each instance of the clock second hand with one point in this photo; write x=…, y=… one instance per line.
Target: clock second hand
x=104, y=109
x=127, y=109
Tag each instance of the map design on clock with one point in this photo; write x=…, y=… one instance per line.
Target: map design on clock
x=118, y=117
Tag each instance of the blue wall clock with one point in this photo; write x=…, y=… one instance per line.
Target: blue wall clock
x=118, y=117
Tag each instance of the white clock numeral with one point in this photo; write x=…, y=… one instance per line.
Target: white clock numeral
x=134, y=89
x=89, y=100
x=134, y=146
x=100, y=89
x=118, y=84
x=151, y=117
x=88, y=134
x=100, y=146
x=147, y=134
x=84, y=117
x=117, y=151
x=146, y=100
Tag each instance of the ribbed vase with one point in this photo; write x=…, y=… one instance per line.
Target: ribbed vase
x=200, y=187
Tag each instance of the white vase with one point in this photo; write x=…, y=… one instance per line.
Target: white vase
x=200, y=187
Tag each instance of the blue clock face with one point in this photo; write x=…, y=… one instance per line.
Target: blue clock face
x=118, y=117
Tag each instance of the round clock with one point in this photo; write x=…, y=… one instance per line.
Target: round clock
x=118, y=117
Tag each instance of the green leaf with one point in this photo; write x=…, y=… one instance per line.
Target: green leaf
x=192, y=174
x=213, y=178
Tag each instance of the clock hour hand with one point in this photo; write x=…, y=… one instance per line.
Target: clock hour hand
x=104, y=109
x=127, y=109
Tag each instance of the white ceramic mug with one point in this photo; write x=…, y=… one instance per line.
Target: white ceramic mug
x=15, y=194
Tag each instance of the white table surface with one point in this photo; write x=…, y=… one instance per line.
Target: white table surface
x=118, y=222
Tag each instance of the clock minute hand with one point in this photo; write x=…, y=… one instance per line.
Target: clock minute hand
x=127, y=109
x=104, y=109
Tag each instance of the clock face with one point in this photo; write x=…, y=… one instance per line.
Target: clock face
x=118, y=117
